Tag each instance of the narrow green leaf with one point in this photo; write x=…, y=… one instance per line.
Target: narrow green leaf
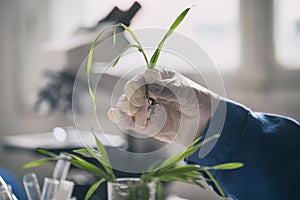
x=195, y=142
x=216, y=184
x=115, y=36
x=193, y=147
x=84, y=152
x=187, y=176
x=104, y=157
x=102, y=150
x=100, y=155
x=145, y=192
x=175, y=24
x=159, y=190
x=179, y=19
x=82, y=164
x=95, y=154
x=122, y=53
x=132, y=193
x=46, y=152
x=227, y=166
x=179, y=170
x=178, y=177
x=93, y=188
x=38, y=162
x=90, y=56
x=180, y=156
x=198, y=183
x=133, y=35
x=89, y=64
x=135, y=38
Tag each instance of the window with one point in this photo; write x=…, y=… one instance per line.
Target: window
x=287, y=32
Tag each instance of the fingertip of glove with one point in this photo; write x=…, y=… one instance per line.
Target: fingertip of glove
x=135, y=93
x=125, y=106
x=114, y=115
x=152, y=75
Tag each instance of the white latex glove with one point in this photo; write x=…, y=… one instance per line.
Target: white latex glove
x=181, y=112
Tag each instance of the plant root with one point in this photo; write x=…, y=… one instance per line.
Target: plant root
x=151, y=107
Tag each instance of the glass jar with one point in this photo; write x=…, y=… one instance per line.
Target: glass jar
x=5, y=193
x=130, y=189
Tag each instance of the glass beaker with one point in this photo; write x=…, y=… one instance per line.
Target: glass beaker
x=130, y=188
x=5, y=193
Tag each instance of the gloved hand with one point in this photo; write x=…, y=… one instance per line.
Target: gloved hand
x=165, y=105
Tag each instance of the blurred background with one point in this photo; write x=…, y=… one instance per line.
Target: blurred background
x=254, y=44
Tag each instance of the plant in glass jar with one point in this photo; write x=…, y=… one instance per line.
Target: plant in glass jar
x=149, y=184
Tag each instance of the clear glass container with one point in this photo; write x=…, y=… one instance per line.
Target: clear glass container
x=32, y=186
x=50, y=189
x=130, y=188
x=5, y=193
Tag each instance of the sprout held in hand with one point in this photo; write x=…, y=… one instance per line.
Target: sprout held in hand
x=150, y=64
x=167, y=171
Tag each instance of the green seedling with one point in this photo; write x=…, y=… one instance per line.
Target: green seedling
x=150, y=64
x=167, y=171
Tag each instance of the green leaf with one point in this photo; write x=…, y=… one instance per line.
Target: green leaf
x=75, y=160
x=84, y=152
x=82, y=164
x=180, y=156
x=132, y=193
x=187, y=173
x=227, y=166
x=198, y=183
x=92, y=153
x=179, y=170
x=135, y=38
x=216, y=184
x=175, y=24
x=38, y=162
x=102, y=150
x=93, y=188
x=89, y=64
x=46, y=152
x=122, y=53
x=100, y=155
x=115, y=36
x=159, y=190
x=104, y=157
x=145, y=192
x=185, y=178
x=90, y=56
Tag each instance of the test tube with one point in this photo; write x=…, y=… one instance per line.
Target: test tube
x=14, y=197
x=65, y=190
x=61, y=168
x=7, y=194
x=32, y=186
x=4, y=194
x=5, y=190
x=50, y=189
x=60, y=173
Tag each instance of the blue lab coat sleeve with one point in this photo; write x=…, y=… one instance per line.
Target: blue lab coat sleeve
x=268, y=146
